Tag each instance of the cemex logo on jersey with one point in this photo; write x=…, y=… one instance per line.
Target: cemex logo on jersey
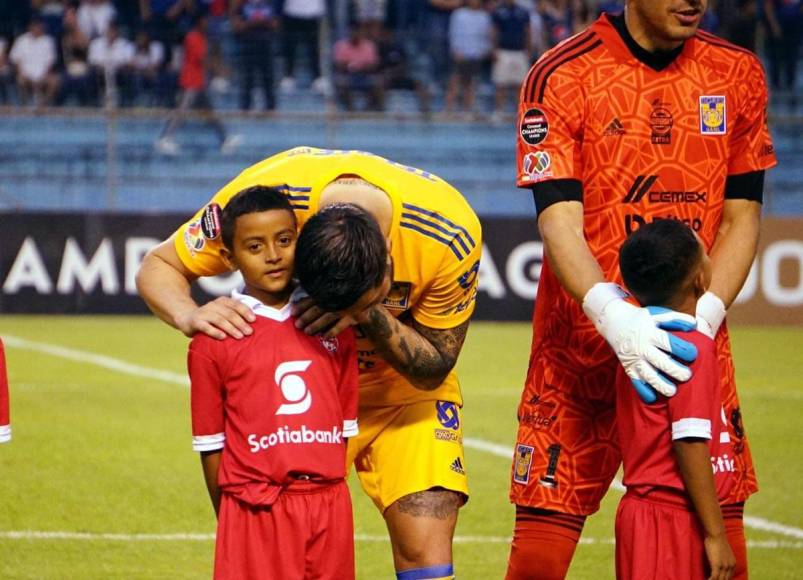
x=643, y=184
x=294, y=389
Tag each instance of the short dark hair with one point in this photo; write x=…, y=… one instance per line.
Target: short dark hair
x=657, y=259
x=340, y=255
x=254, y=199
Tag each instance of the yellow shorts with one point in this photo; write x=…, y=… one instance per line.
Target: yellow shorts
x=407, y=449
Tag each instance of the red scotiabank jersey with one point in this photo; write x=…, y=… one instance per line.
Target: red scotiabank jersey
x=279, y=403
x=647, y=432
x=5, y=406
x=645, y=145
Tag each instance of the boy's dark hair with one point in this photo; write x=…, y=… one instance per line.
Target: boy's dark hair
x=657, y=259
x=340, y=255
x=254, y=199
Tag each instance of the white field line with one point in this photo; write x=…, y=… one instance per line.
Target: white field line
x=99, y=360
x=120, y=366
x=107, y=537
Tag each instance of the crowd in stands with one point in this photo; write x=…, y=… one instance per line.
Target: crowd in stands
x=134, y=52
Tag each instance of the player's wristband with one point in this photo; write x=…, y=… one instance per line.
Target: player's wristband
x=600, y=295
x=711, y=310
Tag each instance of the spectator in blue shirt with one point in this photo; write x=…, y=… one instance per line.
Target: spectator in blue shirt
x=255, y=24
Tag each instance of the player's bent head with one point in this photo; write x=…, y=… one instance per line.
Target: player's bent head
x=664, y=24
x=659, y=262
x=254, y=199
x=342, y=257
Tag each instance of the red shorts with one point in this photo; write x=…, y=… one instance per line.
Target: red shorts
x=658, y=540
x=567, y=451
x=307, y=533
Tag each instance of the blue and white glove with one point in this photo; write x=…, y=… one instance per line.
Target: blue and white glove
x=638, y=337
x=710, y=314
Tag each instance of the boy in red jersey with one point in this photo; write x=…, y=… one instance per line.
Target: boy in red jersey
x=669, y=523
x=271, y=412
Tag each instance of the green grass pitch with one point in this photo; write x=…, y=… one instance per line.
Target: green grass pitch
x=101, y=450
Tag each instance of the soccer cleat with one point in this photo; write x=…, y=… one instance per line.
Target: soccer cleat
x=321, y=86
x=167, y=146
x=287, y=85
x=230, y=144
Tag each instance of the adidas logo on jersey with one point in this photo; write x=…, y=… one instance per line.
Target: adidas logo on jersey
x=457, y=466
x=614, y=128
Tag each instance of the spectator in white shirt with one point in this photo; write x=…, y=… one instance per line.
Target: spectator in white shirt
x=94, y=17
x=147, y=66
x=301, y=22
x=111, y=56
x=34, y=56
x=470, y=38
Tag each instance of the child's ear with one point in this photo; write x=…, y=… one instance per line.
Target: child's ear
x=701, y=281
x=228, y=258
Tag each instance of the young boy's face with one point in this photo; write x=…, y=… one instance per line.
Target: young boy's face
x=263, y=250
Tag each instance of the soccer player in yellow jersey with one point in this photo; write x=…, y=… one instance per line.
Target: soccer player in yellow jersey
x=409, y=453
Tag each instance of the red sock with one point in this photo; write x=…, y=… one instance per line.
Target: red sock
x=734, y=528
x=543, y=544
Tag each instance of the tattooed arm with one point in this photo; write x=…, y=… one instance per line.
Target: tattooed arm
x=423, y=355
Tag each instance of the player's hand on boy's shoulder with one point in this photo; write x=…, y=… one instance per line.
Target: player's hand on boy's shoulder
x=641, y=341
x=721, y=559
x=219, y=318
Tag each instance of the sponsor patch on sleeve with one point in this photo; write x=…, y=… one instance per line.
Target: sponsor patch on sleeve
x=534, y=126
x=210, y=221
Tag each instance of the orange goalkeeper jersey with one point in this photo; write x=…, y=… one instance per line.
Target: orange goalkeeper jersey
x=645, y=144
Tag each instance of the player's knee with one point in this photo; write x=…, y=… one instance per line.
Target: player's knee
x=421, y=526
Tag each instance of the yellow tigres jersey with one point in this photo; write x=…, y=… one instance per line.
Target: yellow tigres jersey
x=436, y=242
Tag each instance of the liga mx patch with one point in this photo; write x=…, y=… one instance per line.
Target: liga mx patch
x=713, y=115
x=399, y=296
x=523, y=461
x=536, y=166
x=194, y=237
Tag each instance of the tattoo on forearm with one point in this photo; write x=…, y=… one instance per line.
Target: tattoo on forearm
x=424, y=355
x=440, y=504
x=379, y=324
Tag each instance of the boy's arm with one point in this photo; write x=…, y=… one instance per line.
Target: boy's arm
x=210, y=462
x=694, y=460
x=204, y=360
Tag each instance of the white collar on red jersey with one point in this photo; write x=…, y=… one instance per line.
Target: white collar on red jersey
x=260, y=309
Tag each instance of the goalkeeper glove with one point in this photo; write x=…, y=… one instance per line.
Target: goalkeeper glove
x=710, y=314
x=638, y=337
